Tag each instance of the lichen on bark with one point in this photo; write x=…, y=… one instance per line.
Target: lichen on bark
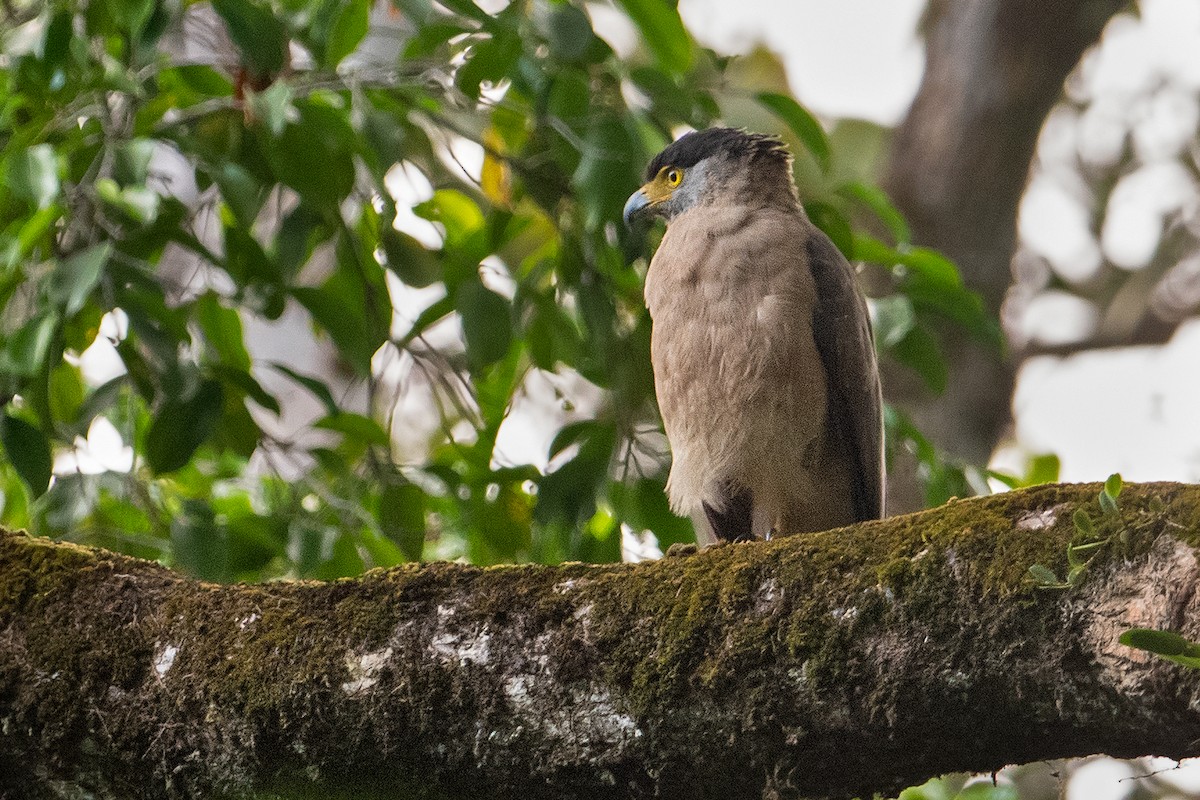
x=830, y=664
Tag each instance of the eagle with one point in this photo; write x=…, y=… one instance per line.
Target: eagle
x=764, y=362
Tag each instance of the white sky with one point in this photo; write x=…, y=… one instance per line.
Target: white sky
x=845, y=58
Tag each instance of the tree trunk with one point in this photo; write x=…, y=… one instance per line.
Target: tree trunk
x=831, y=664
x=958, y=167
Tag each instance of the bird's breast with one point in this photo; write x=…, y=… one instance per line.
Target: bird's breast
x=736, y=368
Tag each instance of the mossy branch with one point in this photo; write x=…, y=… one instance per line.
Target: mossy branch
x=839, y=664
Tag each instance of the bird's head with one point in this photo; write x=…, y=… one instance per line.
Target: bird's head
x=712, y=165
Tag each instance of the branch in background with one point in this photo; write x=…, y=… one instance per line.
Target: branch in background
x=832, y=664
x=958, y=168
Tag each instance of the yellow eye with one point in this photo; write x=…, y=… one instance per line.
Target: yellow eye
x=674, y=177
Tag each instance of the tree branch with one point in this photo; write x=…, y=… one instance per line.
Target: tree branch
x=831, y=664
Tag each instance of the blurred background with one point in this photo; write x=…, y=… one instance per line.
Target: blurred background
x=304, y=288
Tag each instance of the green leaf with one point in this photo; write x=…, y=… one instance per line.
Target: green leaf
x=934, y=285
x=1107, y=504
x=486, y=321
x=198, y=544
x=931, y=268
x=893, y=319
x=468, y=9
x=29, y=347
x=430, y=316
x=181, y=426
x=315, y=155
x=240, y=191
x=569, y=33
x=1083, y=522
x=340, y=306
x=833, y=223
x=568, y=494
x=1043, y=469
x=662, y=31
x=348, y=31
x=491, y=61
x=801, y=123
x=33, y=176
x=881, y=206
x=1168, y=644
x=131, y=161
x=246, y=261
x=136, y=202
x=222, y=328
x=202, y=79
x=551, y=336
x=56, y=45
x=314, y=386
x=432, y=36
x=302, y=230
x=919, y=350
x=868, y=248
x=356, y=426
x=257, y=33
x=409, y=259
x=274, y=106
x=245, y=383
x=402, y=518
x=381, y=551
x=1044, y=576
x=66, y=392
x=988, y=791
x=463, y=220
x=1011, y=481
x=387, y=137
x=934, y=789
x=28, y=452
x=253, y=540
x=73, y=279
x=130, y=15
x=1112, y=486
x=101, y=399
x=643, y=505
x=605, y=172
x=343, y=562
x=33, y=230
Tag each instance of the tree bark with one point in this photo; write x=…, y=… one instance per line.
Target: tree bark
x=831, y=664
x=957, y=169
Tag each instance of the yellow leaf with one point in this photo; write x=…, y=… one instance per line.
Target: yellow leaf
x=495, y=178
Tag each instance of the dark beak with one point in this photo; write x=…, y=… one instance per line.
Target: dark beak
x=634, y=206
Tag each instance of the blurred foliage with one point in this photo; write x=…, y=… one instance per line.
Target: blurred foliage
x=290, y=130
x=958, y=788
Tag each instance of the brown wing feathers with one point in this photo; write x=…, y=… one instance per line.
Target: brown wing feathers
x=842, y=330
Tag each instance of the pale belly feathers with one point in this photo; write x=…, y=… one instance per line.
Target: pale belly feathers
x=739, y=379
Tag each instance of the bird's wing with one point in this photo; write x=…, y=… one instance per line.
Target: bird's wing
x=842, y=330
